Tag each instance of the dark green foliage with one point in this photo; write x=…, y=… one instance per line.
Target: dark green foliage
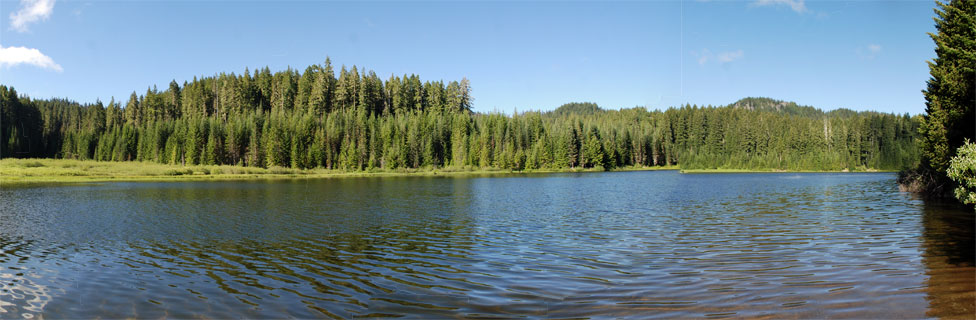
x=950, y=97
x=22, y=126
x=358, y=122
x=578, y=108
x=951, y=92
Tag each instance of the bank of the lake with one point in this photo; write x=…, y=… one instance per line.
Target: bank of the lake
x=43, y=171
x=772, y=170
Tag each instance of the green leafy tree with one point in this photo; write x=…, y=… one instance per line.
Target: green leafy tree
x=962, y=170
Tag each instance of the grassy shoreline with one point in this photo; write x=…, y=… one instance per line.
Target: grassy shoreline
x=695, y=171
x=57, y=171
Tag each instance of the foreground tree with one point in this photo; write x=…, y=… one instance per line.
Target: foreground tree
x=950, y=97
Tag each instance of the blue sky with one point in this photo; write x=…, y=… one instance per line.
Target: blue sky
x=863, y=55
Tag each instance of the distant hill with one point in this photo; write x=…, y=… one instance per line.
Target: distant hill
x=769, y=104
x=580, y=108
x=789, y=107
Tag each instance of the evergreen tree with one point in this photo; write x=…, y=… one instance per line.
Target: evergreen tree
x=950, y=95
x=951, y=92
x=409, y=123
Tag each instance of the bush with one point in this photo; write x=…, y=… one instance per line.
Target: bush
x=962, y=170
x=922, y=180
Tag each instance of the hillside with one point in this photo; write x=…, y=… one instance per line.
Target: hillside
x=578, y=108
x=769, y=104
x=789, y=107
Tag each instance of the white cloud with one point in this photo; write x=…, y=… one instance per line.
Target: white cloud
x=704, y=57
x=874, y=48
x=12, y=56
x=722, y=57
x=730, y=56
x=30, y=11
x=797, y=5
x=870, y=51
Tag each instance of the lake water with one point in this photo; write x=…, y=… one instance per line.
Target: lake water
x=616, y=244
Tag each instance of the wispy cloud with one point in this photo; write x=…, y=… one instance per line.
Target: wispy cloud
x=870, y=51
x=12, y=56
x=722, y=57
x=730, y=56
x=797, y=5
x=704, y=56
x=874, y=48
x=30, y=11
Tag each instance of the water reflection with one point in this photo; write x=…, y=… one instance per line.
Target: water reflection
x=641, y=244
x=949, y=258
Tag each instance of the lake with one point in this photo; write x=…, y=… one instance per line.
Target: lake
x=615, y=244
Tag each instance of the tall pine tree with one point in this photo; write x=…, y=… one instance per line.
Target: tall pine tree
x=950, y=95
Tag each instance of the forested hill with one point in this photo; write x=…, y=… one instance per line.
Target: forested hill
x=577, y=108
x=788, y=107
x=355, y=121
x=748, y=103
x=768, y=104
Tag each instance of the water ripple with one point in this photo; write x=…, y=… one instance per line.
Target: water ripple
x=621, y=245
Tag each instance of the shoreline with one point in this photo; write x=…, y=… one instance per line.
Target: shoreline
x=698, y=171
x=20, y=172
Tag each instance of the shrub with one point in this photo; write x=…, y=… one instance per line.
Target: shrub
x=962, y=170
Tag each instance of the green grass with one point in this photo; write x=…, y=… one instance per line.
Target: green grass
x=42, y=171
x=728, y=170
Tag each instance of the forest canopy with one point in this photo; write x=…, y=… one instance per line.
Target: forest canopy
x=356, y=121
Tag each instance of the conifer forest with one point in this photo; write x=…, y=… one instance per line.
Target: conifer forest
x=356, y=121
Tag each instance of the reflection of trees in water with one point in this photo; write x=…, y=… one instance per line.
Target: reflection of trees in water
x=949, y=242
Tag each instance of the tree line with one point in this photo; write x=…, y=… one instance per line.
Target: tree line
x=356, y=121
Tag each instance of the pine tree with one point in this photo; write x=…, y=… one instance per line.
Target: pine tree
x=572, y=147
x=950, y=97
x=951, y=92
